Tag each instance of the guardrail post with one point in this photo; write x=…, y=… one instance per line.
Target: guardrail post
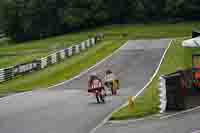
x=93, y=41
x=66, y=52
x=88, y=43
x=39, y=64
x=62, y=54
x=2, y=79
x=43, y=62
x=49, y=60
x=53, y=58
x=58, y=57
x=83, y=46
x=70, y=52
x=77, y=50
x=162, y=95
x=8, y=73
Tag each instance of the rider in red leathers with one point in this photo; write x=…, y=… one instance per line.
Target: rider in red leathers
x=95, y=86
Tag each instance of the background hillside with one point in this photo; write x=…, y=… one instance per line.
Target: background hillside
x=35, y=19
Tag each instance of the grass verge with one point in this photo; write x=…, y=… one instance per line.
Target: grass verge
x=12, y=54
x=62, y=71
x=146, y=104
x=38, y=48
x=76, y=64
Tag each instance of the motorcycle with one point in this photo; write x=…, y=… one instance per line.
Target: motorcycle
x=113, y=86
x=97, y=89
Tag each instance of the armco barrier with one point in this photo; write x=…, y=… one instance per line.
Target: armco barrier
x=66, y=52
x=93, y=41
x=77, y=50
x=53, y=58
x=70, y=51
x=2, y=75
x=58, y=57
x=83, y=46
x=195, y=33
x=62, y=54
x=21, y=69
x=25, y=68
x=49, y=60
x=88, y=43
x=8, y=73
x=43, y=62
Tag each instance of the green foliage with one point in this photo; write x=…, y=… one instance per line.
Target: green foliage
x=35, y=19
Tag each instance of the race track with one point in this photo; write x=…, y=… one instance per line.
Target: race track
x=181, y=123
x=67, y=108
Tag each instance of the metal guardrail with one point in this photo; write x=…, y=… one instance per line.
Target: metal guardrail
x=21, y=69
x=25, y=68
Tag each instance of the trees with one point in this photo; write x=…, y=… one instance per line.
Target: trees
x=32, y=19
x=35, y=19
x=1, y=15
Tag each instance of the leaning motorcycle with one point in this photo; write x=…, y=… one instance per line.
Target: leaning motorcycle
x=98, y=91
x=113, y=86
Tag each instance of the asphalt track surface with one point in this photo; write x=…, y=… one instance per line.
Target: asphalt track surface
x=182, y=123
x=68, y=108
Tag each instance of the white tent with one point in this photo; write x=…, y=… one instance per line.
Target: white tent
x=192, y=43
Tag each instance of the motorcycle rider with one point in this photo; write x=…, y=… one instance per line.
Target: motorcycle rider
x=111, y=82
x=95, y=85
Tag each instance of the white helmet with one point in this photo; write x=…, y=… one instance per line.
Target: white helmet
x=93, y=74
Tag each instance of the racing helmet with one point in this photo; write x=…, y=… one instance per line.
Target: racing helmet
x=94, y=74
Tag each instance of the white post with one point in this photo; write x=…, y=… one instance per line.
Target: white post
x=93, y=41
x=62, y=54
x=77, y=49
x=43, y=62
x=2, y=75
x=163, y=97
x=70, y=51
x=83, y=46
x=88, y=43
x=53, y=58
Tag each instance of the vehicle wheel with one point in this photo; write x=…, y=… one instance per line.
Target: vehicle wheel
x=97, y=98
x=102, y=99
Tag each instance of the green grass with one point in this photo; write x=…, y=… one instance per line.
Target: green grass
x=35, y=49
x=154, y=30
x=176, y=58
x=62, y=71
x=52, y=43
x=14, y=60
x=45, y=46
x=76, y=64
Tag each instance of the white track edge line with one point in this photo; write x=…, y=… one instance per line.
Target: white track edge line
x=198, y=131
x=131, y=121
x=125, y=104
x=182, y=112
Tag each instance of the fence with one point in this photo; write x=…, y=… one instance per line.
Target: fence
x=21, y=69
